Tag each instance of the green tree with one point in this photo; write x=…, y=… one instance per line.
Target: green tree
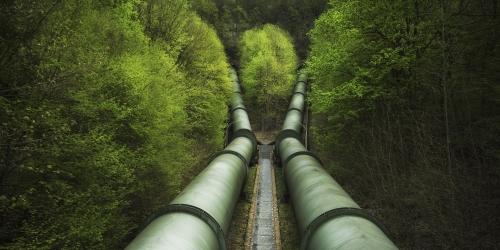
x=268, y=65
x=96, y=120
x=206, y=66
x=232, y=18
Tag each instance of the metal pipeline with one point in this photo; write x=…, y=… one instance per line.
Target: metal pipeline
x=326, y=215
x=199, y=217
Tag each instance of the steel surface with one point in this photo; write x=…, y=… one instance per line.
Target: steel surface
x=326, y=215
x=199, y=217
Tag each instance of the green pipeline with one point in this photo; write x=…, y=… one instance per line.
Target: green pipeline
x=326, y=215
x=199, y=217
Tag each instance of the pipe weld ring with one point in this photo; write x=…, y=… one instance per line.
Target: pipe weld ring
x=199, y=213
x=296, y=109
x=309, y=153
x=248, y=134
x=283, y=134
x=335, y=213
x=242, y=108
x=225, y=151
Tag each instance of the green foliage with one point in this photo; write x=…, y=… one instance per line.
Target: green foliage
x=232, y=18
x=164, y=21
x=268, y=64
x=404, y=107
x=98, y=104
x=206, y=65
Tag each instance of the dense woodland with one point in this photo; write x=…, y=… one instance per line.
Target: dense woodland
x=233, y=17
x=106, y=107
x=109, y=107
x=406, y=112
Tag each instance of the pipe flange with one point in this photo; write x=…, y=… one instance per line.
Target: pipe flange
x=309, y=153
x=242, y=108
x=283, y=134
x=225, y=151
x=335, y=213
x=296, y=109
x=197, y=212
x=248, y=134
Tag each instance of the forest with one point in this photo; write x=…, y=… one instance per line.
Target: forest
x=109, y=108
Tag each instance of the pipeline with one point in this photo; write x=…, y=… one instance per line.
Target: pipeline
x=327, y=217
x=199, y=217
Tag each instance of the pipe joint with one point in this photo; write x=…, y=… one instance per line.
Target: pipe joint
x=336, y=213
x=197, y=212
x=309, y=153
x=225, y=151
x=296, y=109
x=283, y=134
x=240, y=107
x=248, y=134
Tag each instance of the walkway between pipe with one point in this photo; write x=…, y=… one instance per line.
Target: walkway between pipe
x=265, y=229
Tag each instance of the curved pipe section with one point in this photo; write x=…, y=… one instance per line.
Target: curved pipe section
x=199, y=217
x=326, y=215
